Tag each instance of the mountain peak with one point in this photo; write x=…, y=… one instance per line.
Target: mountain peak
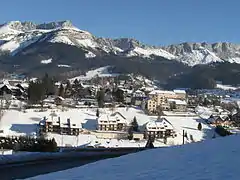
x=28, y=25
x=56, y=24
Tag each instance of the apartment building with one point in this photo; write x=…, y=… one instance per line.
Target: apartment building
x=160, y=98
x=112, y=122
x=160, y=128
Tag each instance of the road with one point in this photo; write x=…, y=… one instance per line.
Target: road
x=30, y=169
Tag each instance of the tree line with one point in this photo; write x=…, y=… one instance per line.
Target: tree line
x=30, y=144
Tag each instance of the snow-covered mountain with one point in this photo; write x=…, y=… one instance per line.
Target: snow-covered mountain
x=16, y=36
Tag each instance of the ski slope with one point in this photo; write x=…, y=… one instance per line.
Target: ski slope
x=100, y=72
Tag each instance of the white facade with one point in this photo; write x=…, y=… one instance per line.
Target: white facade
x=113, y=122
x=159, y=129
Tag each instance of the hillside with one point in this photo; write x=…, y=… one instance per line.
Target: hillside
x=212, y=159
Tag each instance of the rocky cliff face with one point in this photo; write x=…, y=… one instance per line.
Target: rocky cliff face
x=222, y=51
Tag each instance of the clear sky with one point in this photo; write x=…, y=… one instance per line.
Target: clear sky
x=156, y=22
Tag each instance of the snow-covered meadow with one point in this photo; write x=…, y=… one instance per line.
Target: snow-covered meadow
x=16, y=123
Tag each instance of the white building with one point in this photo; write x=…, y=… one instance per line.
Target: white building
x=159, y=129
x=113, y=122
x=177, y=104
x=62, y=125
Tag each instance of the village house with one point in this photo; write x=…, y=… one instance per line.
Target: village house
x=138, y=97
x=113, y=122
x=236, y=118
x=160, y=128
x=219, y=121
x=56, y=124
x=6, y=88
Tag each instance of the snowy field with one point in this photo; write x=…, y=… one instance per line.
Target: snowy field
x=16, y=123
x=216, y=159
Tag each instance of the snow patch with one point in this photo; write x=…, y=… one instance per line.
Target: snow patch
x=61, y=39
x=87, y=43
x=150, y=51
x=9, y=46
x=47, y=61
x=63, y=65
x=201, y=56
x=100, y=72
x=90, y=55
x=234, y=60
x=226, y=87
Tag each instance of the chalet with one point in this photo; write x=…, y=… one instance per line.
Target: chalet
x=11, y=90
x=59, y=100
x=219, y=120
x=55, y=124
x=23, y=86
x=5, y=89
x=159, y=129
x=236, y=118
x=113, y=122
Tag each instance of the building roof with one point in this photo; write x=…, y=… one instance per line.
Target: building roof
x=179, y=91
x=161, y=92
x=178, y=101
x=159, y=125
x=112, y=118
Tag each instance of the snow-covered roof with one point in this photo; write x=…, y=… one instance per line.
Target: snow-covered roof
x=178, y=101
x=159, y=125
x=7, y=84
x=179, y=91
x=24, y=85
x=161, y=92
x=114, y=118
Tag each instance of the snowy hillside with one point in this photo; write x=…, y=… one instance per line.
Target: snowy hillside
x=212, y=159
x=99, y=72
x=201, y=56
x=138, y=51
x=15, y=36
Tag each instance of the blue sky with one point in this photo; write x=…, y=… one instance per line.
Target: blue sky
x=156, y=22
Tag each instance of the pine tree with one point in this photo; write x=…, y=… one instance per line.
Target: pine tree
x=100, y=98
x=53, y=146
x=61, y=91
x=68, y=89
x=36, y=92
x=165, y=140
x=150, y=142
x=48, y=85
x=97, y=113
x=199, y=126
x=191, y=138
x=130, y=133
x=135, y=124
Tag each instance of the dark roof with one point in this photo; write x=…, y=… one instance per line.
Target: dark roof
x=114, y=114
